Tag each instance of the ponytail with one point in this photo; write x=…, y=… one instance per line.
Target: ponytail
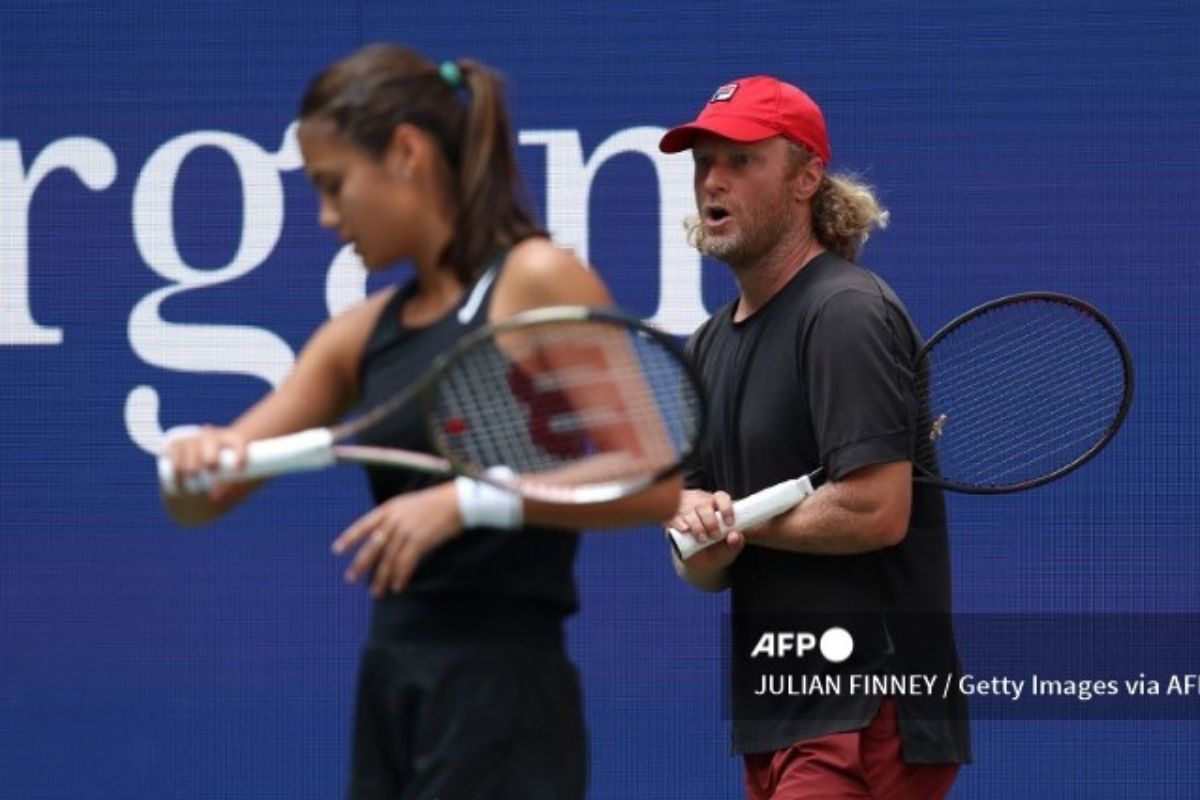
x=845, y=210
x=493, y=202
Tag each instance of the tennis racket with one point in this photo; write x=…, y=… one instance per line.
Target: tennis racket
x=580, y=405
x=1021, y=391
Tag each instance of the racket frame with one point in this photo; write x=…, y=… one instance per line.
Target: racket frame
x=922, y=473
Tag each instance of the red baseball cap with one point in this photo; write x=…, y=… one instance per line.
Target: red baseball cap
x=753, y=109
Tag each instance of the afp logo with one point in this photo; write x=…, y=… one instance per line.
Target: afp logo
x=836, y=644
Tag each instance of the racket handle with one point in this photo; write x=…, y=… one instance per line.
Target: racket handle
x=748, y=512
x=296, y=452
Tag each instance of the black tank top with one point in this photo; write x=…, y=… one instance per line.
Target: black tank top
x=527, y=574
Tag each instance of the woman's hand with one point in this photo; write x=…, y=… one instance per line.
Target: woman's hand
x=394, y=537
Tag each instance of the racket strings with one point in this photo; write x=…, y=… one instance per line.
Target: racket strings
x=998, y=427
x=989, y=411
x=604, y=400
x=977, y=357
x=1006, y=442
x=1019, y=463
x=1015, y=464
x=1001, y=448
x=983, y=386
x=980, y=392
x=1051, y=441
x=1019, y=393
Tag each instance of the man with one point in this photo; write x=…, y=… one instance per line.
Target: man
x=812, y=365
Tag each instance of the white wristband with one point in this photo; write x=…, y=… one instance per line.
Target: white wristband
x=483, y=505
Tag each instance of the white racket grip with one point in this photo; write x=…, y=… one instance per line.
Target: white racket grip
x=748, y=512
x=296, y=452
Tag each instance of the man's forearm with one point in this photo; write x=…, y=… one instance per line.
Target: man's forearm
x=868, y=511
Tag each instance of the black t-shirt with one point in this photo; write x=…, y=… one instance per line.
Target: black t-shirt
x=528, y=571
x=823, y=375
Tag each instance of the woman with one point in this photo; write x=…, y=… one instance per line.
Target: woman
x=465, y=691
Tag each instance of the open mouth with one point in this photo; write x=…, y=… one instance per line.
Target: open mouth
x=715, y=214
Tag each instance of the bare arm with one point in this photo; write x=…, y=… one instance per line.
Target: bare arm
x=867, y=510
x=320, y=388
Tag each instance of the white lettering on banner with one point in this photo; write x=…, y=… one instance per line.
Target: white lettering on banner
x=247, y=350
x=95, y=165
x=192, y=347
x=569, y=180
x=346, y=283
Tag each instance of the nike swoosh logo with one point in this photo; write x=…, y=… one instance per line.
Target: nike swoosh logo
x=469, y=309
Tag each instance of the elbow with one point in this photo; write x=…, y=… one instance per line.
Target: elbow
x=890, y=529
x=889, y=508
x=885, y=524
x=891, y=535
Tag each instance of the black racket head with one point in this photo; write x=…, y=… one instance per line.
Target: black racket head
x=1019, y=392
x=584, y=405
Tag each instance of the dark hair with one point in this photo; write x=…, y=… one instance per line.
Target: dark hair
x=367, y=94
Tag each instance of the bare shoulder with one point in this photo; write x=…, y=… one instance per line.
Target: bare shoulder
x=540, y=251
x=539, y=273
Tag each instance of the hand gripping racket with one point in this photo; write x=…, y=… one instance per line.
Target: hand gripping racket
x=1021, y=391
x=581, y=405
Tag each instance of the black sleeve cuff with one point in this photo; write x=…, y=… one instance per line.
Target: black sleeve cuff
x=879, y=450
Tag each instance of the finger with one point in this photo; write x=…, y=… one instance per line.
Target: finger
x=367, y=555
x=355, y=533
x=210, y=453
x=707, y=516
x=694, y=526
x=677, y=523
x=173, y=451
x=186, y=455
x=405, y=563
x=385, y=568
x=724, y=505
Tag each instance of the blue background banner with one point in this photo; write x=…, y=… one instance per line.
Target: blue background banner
x=160, y=263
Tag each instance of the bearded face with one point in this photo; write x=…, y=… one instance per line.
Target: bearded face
x=744, y=196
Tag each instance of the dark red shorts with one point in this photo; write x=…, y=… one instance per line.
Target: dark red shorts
x=859, y=764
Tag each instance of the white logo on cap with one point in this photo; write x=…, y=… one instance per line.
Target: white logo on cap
x=724, y=93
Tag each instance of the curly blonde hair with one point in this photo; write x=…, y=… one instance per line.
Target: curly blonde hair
x=845, y=210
